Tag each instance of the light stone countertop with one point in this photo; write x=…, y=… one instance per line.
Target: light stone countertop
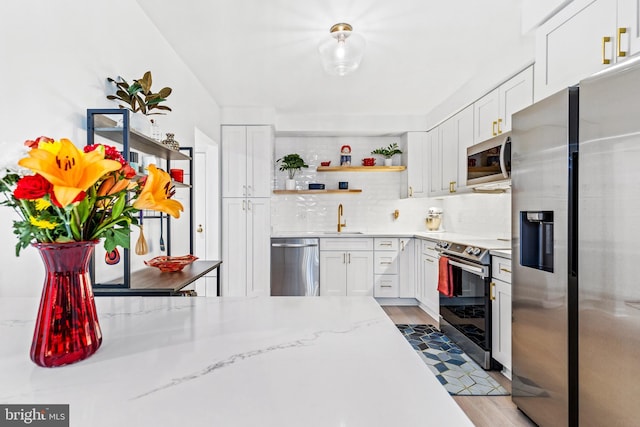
x=272, y=361
x=435, y=236
x=504, y=253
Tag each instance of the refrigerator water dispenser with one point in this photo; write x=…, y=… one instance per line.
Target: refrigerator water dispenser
x=536, y=247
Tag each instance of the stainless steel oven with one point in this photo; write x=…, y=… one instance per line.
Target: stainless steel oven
x=465, y=317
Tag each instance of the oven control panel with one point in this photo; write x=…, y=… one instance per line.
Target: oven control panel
x=463, y=251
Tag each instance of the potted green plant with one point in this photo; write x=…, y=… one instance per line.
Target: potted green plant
x=138, y=96
x=291, y=163
x=388, y=153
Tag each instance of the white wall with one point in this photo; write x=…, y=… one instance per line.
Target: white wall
x=54, y=59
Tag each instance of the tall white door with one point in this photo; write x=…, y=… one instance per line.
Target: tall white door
x=259, y=161
x=234, y=247
x=234, y=161
x=258, y=247
x=206, y=208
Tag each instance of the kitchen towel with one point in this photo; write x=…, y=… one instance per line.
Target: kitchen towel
x=445, y=279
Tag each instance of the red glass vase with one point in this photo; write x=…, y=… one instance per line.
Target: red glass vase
x=67, y=328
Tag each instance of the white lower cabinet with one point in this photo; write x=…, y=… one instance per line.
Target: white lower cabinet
x=246, y=247
x=407, y=268
x=394, y=267
x=501, y=310
x=346, y=267
x=428, y=279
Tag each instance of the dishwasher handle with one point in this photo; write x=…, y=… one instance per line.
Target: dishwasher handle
x=294, y=245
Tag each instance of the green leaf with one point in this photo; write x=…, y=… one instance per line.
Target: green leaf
x=146, y=81
x=165, y=92
x=118, y=206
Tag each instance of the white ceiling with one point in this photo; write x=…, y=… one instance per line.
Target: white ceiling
x=263, y=53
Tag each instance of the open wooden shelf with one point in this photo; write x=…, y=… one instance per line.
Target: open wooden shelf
x=107, y=128
x=361, y=168
x=355, y=190
x=151, y=281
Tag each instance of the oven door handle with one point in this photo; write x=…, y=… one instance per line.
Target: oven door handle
x=482, y=271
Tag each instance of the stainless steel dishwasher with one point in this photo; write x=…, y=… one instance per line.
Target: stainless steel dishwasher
x=295, y=267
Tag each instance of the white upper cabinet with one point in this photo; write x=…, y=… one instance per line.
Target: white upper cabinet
x=493, y=111
x=452, y=137
x=585, y=37
x=628, y=31
x=415, y=155
x=247, y=159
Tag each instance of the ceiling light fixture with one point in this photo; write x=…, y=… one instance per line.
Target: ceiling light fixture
x=342, y=52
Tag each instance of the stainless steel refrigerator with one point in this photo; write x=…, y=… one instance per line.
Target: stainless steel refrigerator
x=576, y=253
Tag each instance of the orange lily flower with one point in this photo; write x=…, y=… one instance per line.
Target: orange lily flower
x=156, y=192
x=68, y=169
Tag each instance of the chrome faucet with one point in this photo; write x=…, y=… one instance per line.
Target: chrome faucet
x=340, y=225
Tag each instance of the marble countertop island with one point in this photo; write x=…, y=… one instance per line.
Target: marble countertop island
x=274, y=361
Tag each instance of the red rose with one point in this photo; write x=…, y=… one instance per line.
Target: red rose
x=32, y=187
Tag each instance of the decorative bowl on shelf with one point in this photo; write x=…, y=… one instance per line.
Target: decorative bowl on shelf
x=169, y=264
x=368, y=161
x=325, y=163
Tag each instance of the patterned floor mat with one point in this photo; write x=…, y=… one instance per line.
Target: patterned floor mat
x=454, y=369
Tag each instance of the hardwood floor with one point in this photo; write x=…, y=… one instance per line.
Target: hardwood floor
x=489, y=411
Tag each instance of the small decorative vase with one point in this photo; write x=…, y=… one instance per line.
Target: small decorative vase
x=290, y=184
x=170, y=142
x=388, y=162
x=140, y=122
x=67, y=328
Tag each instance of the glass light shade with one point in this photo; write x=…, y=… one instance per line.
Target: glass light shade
x=342, y=52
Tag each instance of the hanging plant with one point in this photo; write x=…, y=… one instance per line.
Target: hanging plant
x=138, y=96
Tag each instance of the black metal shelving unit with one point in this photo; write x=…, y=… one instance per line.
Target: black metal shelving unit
x=100, y=122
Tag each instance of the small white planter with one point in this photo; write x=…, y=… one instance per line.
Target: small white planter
x=290, y=184
x=388, y=162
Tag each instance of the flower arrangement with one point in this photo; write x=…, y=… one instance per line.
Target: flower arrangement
x=62, y=194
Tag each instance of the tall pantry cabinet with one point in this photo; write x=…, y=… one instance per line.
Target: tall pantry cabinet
x=247, y=156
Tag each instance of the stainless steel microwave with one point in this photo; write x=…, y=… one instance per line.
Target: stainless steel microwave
x=489, y=161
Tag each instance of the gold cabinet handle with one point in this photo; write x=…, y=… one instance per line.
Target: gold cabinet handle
x=621, y=31
x=429, y=259
x=349, y=257
x=493, y=125
x=452, y=187
x=344, y=258
x=492, y=296
x=199, y=229
x=499, y=122
x=506, y=270
x=605, y=40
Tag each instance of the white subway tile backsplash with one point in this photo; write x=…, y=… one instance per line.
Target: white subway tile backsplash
x=484, y=215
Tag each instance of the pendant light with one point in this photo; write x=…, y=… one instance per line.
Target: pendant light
x=342, y=51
